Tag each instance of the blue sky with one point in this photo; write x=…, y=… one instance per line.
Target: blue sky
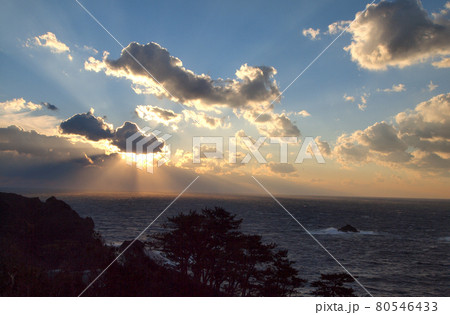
x=213, y=38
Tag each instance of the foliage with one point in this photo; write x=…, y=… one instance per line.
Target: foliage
x=210, y=247
x=331, y=285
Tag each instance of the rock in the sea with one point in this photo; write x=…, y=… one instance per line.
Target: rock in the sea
x=348, y=228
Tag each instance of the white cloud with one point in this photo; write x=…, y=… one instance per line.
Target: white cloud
x=324, y=147
x=90, y=49
x=159, y=115
x=21, y=113
x=431, y=86
x=398, y=34
x=303, y=113
x=337, y=27
x=363, y=104
x=270, y=124
x=395, y=88
x=443, y=63
x=311, y=33
x=50, y=41
x=44, y=124
x=419, y=139
x=18, y=105
x=349, y=98
x=201, y=119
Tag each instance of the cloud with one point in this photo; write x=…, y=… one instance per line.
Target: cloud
x=443, y=63
x=252, y=86
x=281, y=168
x=419, y=139
x=363, y=104
x=379, y=143
x=250, y=93
x=395, y=88
x=273, y=125
x=30, y=159
x=204, y=120
x=90, y=49
x=159, y=115
x=183, y=160
x=398, y=34
x=428, y=123
x=349, y=98
x=127, y=130
x=323, y=146
x=303, y=113
x=381, y=137
x=25, y=114
x=87, y=125
x=50, y=148
x=431, y=86
x=18, y=105
x=95, y=129
x=49, y=106
x=311, y=33
x=44, y=124
x=50, y=41
x=337, y=27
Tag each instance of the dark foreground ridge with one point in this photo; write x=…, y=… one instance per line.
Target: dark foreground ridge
x=47, y=249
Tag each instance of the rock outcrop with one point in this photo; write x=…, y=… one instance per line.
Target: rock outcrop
x=48, y=235
x=348, y=228
x=47, y=249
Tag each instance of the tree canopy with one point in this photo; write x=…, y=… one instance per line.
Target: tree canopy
x=210, y=247
x=331, y=285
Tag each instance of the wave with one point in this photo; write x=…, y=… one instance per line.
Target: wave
x=335, y=231
x=154, y=255
x=444, y=239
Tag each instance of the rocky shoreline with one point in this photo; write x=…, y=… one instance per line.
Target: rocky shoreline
x=47, y=249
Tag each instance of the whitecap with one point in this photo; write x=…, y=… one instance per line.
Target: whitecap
x=335, y=231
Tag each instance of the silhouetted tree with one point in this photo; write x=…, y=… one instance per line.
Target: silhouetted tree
x=209, y=247
x=333, y=285
x=281, y=277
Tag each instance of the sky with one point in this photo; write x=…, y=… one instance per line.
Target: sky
x=368, y=83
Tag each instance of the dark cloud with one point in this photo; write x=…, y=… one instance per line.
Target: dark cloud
x=324, y=147
x=249, y=94
x=382, y=137
x=27, y=156
x=281, y=168
x=15, y=139
x=49, y=106
x=128, y=129
x=253, y=84
x=274, y=125
x=95, y=129
x=87, y=125
x=398, y=34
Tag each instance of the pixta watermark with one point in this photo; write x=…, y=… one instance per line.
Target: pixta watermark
x=147, y=149
x=144, y=147
x=308, y=149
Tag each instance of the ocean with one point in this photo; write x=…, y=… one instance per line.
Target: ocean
x=403, y=248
